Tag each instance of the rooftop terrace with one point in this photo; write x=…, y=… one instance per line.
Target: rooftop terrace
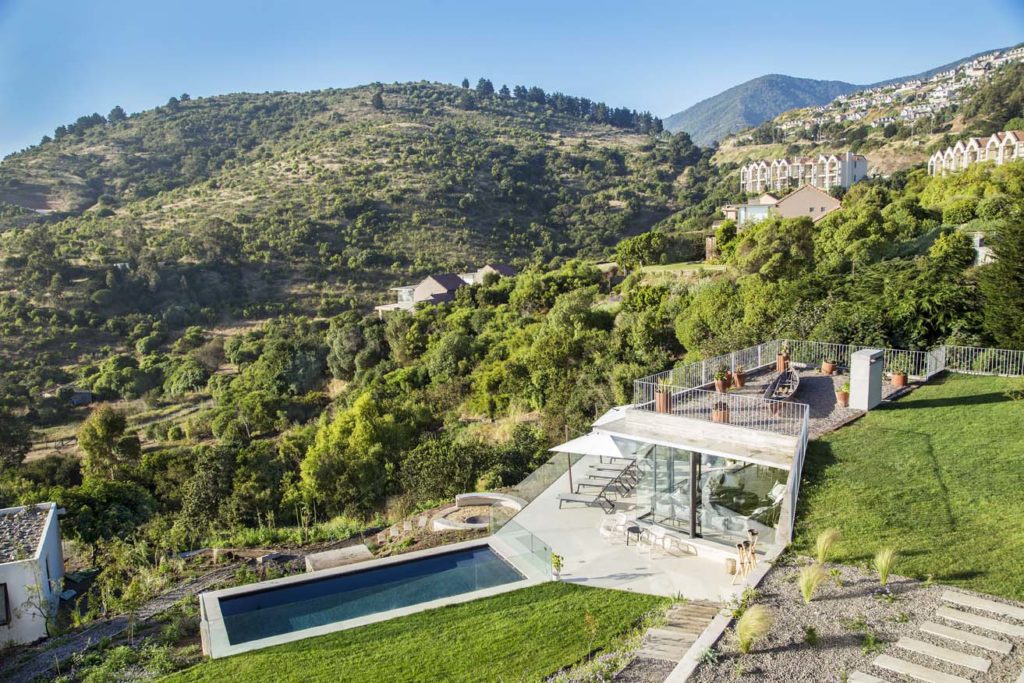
x=21, y=529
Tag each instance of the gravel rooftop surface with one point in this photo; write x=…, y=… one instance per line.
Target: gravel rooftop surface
x=20, y=532
x=816, y=390
x=841, y=616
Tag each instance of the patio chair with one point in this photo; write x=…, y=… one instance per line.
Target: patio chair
x=612, y=527
x=667, y=542
x=599, y=500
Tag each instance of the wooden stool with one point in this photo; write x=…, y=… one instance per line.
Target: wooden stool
x=752, y=534
x=741, y=563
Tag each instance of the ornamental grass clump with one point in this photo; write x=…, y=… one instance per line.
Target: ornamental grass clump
x=809, y=579
x=824, y=542
x=884, y=559
x=752, y=626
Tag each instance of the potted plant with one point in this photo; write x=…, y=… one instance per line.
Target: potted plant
x=782, y=359
x=663, y=396
x=828, y=367
x=720, y=412
x=843, y=395
x=738, y=378
x=722, y=380
x=899, y=372
x=556, y=566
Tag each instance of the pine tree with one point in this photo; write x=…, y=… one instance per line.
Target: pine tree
x=465, y=83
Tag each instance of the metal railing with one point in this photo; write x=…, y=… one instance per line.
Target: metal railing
x=971, y=360
x=701, y=373
x=751, y=412
x=917, y=364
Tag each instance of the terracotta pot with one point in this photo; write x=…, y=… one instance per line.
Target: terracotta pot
x=781, y=362
x=721, y=385
x=899, y=380
x=738, y=380
x=843, y=398
x=662, y=401
x=828, y=368
x=720, y=413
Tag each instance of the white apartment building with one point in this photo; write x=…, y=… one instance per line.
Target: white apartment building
x=999, y=148
x=823, y=172
x=31, y=571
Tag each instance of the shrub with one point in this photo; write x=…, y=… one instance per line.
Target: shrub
x=825, y=540
x=884, y=559
x=752, y=626
x=809, y=579
x=997, y=206
x=959, y=212
x=811, y=636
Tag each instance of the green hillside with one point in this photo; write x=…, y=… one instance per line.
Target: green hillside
x=752, y=103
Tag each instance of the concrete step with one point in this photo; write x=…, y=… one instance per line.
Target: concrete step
x=981, y=622
x=861, y=677
x=945, y=654
x=984, y=642
x=921, y=673
x=984, y=605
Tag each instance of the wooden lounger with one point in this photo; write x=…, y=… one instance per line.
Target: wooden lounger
x=587, y=499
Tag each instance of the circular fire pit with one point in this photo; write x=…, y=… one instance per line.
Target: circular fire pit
x=472, y=511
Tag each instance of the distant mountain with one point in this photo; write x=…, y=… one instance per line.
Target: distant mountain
x=751, y=104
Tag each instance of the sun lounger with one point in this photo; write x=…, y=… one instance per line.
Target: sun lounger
x=600, y=499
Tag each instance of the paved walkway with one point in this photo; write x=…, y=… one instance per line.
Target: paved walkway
x=968, y=639
x=665, y=645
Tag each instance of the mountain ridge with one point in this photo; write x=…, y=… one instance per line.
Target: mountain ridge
x=761, y=99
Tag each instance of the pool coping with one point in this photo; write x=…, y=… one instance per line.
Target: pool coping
x=214, y=635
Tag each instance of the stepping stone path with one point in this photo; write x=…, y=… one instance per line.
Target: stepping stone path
x=999, y=619
x=685, y=623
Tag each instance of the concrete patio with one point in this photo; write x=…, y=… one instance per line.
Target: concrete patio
x=591, y=559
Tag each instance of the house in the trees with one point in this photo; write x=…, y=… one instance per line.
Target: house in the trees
x=439, y=288
x=31, y=571
x=823, y=171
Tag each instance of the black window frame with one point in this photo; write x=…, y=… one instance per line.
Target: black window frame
x=5, y=614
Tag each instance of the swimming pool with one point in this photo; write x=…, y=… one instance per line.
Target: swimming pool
x=292, y=607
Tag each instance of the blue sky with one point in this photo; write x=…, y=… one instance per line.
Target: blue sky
x=60, y=60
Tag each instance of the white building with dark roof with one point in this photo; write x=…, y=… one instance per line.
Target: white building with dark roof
x=31, y=571
x=823, y=172
x=998, y=148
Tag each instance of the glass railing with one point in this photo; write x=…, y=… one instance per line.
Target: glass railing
x=522, y=546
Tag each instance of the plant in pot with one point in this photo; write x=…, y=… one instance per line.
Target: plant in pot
x=557, y=562
x=828, y=367
x=722, y=380
x=738, y=378
x=898, y=368
x=720, y=412
x=843, y=395
x=782, y=359
x=663, y=396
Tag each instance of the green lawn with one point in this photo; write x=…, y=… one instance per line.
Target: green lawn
x=938, y=475
x=524, y=635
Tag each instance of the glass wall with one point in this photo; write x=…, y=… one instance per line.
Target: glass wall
x=728, y=496
x=736, y=496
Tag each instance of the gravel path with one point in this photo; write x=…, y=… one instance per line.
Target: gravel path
x=841, y=616
x=42, y=661
x=645, y=670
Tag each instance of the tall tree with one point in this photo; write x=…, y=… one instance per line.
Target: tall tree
x=484, y=88
x=465, y=83
x=15, y=440
x=1002, y=286
x=108, y=449
x=116, y=114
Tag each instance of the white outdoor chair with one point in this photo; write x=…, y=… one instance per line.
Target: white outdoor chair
x=614, y=526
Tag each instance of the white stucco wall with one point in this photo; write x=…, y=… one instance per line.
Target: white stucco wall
x=27, y=624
